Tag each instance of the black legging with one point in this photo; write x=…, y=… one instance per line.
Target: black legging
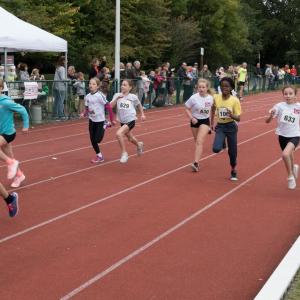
x=96, y=134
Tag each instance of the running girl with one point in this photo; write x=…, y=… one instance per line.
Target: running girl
x=288, y=130
x=228, y=110
x=8, y=134
x=126, y=104
x=95, y=105
x=198, y=109
x=11, y=201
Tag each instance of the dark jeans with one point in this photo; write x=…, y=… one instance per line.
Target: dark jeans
x=96, y=134
x=227, y=131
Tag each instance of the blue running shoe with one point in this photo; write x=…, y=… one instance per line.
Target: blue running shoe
x=13, y=207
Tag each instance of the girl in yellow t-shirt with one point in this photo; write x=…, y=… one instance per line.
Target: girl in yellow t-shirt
x=228, y=111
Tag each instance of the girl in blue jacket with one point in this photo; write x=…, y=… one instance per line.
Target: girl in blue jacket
x=8, y=134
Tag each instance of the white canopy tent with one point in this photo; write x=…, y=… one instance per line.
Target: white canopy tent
x=17, y=35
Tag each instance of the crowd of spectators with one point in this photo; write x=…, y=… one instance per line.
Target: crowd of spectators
x=156, y=87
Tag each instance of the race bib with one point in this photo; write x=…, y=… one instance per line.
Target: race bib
x=288, y=117
x=125, y=105
x=223, y=113
x=204, y=111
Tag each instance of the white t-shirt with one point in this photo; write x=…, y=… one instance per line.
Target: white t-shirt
x=126, y=107
x=96, y=106
x=200, y=106
x=287, y=119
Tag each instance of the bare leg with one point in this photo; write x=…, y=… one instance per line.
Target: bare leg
x=202, y=133
x=132, y=138
x=3, y=191
x=121, y=135
x=3, y=155
x=287, y=156
x=7, y=149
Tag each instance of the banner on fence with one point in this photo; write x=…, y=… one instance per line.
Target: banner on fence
x=31, y=90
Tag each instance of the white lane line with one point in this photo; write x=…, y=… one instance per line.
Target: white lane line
x=163, y=235
x=29, y=229
x=82, y=133
x=115, y=141
x=105, y=143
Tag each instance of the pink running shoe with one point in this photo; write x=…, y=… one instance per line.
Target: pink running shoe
x=97, y=159
x=17, y=181
x=12, y=169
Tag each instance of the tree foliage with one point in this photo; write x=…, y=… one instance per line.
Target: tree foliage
x=169, y=30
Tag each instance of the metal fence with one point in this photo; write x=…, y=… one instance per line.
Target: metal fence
x=172, y=91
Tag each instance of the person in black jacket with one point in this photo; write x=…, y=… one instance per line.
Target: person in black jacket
x=96, y=67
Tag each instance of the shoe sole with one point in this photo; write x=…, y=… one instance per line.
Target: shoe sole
x=18, y=185
x=234, y=179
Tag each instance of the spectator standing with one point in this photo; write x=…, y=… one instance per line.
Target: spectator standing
x=181, y=74
x=293, y=73
x=205, y=73
x=23, y=72
x=188, y=87
x=258, y=75
x=79, y=85
x=59, y=89
x=269, y=76
x=35, y=75
x=242, y=79
x=138, y=80
x=129, y=71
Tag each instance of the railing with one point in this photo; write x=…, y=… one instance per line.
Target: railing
x=169, y=92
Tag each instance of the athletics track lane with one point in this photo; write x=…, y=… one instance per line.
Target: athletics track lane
x=114, y=213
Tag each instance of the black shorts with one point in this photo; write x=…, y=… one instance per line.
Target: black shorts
x=241, y=83
x=200, y=122
x=130, y=124
x=81, y=97
x=283, y=141
x=8, y=138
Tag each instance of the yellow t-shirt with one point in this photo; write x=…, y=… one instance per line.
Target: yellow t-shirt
x=232, y=103
x=242, y=74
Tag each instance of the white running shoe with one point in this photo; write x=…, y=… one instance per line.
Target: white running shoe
x=124, y=158
x=12, y=169
x=291, y=183
x=17, y=181
x=296, y=171
x=140, y=148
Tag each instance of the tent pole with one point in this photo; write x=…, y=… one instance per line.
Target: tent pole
x=5, y=64
x=66, y=78
x=66, y=65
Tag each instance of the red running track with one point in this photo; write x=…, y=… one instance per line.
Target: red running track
x=150, y=229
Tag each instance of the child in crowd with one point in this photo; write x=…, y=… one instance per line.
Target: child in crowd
x=287, y=113
x=228, y=110
x=8, y=134
x=126, y=104
x=11, y=74
x=80, y=91
x=146, y=84
x=95, y=105
x=11, y=201
x=35, y=75
x=198, y=109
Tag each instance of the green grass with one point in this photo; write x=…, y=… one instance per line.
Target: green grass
x=294, y=289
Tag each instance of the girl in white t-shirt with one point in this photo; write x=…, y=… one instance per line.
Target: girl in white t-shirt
x=288, y=130
x=198, y=109
x=95, y=105
x=126, y=104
